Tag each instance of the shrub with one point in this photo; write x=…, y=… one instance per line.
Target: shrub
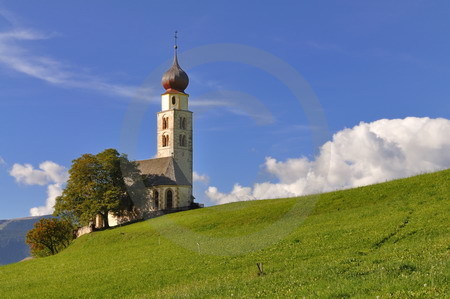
x=49, y=236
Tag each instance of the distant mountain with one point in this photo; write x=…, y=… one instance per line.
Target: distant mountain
x=12, y=239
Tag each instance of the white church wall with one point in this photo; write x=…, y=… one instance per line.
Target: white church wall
x=185, y=194
x=126, y=217
x=174, y=101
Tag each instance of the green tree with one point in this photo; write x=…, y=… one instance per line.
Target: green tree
x=96, y=186
x=49, y=236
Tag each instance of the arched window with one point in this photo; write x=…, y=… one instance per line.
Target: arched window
x=183, y=123
x=165, y=122
x=156, y=198
x=174, y=100
x=182, y=140
x=165, y=140
x=169, y=199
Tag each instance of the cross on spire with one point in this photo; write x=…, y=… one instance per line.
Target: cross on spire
x=176, y=37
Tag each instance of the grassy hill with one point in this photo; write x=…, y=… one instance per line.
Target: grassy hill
x=387, y=240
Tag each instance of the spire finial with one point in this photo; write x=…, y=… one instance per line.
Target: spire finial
x=175, y=79
x=176, y=37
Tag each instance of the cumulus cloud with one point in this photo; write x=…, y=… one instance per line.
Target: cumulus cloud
x=238, y=193
x=365, y=154
x=49, y=174
x=202, y=178
x=53, y=191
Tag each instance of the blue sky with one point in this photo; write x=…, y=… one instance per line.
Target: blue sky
x=69, y=72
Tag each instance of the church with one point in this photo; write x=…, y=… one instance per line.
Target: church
x=168, y=177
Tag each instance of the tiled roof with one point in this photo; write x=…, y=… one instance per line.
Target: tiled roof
x=162, y=171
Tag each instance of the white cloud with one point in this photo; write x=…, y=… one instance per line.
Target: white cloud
x=365, y=154
x=2, y=161
x=203, y=178
x=15, y=56
x=53, y=191
x=49, y=174
x=238, y=193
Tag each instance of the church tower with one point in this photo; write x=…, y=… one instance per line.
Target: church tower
x=168, y=177
x=175, y=120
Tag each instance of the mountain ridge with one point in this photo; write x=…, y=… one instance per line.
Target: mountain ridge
x=12, y=238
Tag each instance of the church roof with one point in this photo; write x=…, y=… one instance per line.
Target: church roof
x=175, y=79
x=162, y=171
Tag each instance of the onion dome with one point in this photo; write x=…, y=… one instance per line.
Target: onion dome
x=175, y=79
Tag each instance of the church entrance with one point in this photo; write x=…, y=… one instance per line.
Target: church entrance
x=169, y=199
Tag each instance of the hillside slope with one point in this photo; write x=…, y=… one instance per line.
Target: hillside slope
x=387, y=240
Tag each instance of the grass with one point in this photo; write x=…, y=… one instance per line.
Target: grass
x=390, y=240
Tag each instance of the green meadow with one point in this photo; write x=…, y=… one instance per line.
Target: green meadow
x=390, y=240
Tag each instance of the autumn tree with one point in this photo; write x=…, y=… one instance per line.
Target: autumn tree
x=49, y=236
x=96, y=186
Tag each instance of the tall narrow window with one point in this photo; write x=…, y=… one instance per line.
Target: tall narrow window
x=165, y=122
x=165, y=140
x=156, y=197
x=174, y=101
x=182, y=122
x=182, y=140
x=169, y=199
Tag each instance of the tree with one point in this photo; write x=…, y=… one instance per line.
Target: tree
x=96, y=186
x=49, y=236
